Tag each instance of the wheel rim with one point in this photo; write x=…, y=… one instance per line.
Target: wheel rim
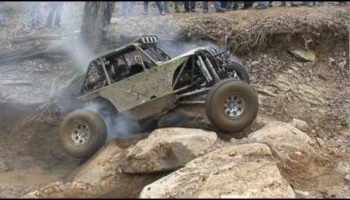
x=80, y=133
x=234, y=106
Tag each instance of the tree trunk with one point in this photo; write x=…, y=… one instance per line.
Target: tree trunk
x=96, y=18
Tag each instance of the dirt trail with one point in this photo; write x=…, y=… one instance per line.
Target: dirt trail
x=316, y=92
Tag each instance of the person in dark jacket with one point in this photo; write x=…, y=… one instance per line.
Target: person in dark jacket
x=161, y=7
x=110, y=11
x=126, y=8
x=206, y=6
x=177, y=6
x=247, y=4
x=2, y=16
x=166, y=6
x=219, y=6
x=263, y=4
x=54, y=17
x=35, y=13
x=190, y=6
x=145, y=7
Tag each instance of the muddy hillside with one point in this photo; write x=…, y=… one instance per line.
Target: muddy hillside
x=298, y=145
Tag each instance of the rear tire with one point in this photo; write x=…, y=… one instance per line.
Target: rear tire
x=231, y=105
x=82, y=133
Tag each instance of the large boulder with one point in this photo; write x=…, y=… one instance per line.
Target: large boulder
x=66, y=190
x=291, y=146
x=100, y=176
x=304, y=55
x=280, y=135
x=101, y=166
x=242, y=171
x=167, y=149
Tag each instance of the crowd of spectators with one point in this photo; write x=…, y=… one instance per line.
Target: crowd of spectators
x=127, y=8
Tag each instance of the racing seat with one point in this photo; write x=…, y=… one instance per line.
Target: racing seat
x=134, y=69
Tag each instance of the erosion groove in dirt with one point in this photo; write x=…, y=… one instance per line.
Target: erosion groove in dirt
x=316, y=92
x=247, y=31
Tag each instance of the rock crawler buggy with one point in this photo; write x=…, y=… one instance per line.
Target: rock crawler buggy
x=140, y=80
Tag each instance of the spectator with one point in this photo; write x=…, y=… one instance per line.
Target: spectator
x=166, y=6
x=123, y=8
x=262, y=5
x=110, y=11
x=145, y=7
x=2, y=16
x=177, y=6
x=2, y=19
x=247, y=4
x=310, y=3
x=223, y=4
x=190, y=6
x=55, y=10
x=126, y=8
x=35, y=13
x=229, y=5
x=219, y=7
x=235, y=5
x=206, y=6
x=160, y=5
x=130, y=8
x=296, y=3
x=232, y=5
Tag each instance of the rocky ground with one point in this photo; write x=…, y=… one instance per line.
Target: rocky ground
x=298, y=59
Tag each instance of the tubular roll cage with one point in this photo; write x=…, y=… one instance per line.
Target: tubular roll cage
x=209, y=69
x=144, y=41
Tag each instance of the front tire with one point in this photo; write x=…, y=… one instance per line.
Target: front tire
x=231, y=105
x=82, y=133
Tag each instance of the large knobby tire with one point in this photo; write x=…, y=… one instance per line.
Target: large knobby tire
x=241, y=71
x=82, y=133
x=224, y=106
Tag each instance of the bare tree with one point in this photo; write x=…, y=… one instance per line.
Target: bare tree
x=96, y=18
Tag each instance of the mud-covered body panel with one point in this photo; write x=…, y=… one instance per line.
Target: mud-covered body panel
x=140, y=88
x=145, y=93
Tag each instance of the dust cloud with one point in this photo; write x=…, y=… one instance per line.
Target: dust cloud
x=117, y=126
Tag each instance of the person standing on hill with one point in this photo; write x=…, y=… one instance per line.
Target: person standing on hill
x=166, y=6
x=161, y=7
x=219, y=6
x=263, y=4
x=126, y=8
x=206, y=6
x=190, y=6
x=247, y=4
x=54, y=17
x=35, y=13
x=2, y=15
x=110, y=11
x=177, y=6
x=145, y=7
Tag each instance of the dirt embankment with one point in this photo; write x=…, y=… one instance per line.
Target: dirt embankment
x=316, y=91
